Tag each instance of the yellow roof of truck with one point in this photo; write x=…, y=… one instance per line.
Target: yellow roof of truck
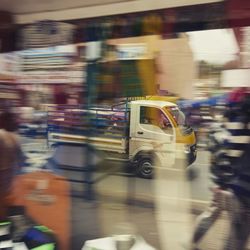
x=155, y=103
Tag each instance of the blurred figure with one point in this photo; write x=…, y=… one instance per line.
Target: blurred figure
x=195, y=120
x=230, y=147
x=240, y=206
x=10, y=156
x=240, y=185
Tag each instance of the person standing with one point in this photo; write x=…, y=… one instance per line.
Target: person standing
x=240, y=185
x=231, y=175
x=10, y=158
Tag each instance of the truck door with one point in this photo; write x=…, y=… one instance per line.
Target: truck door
x=154, y=130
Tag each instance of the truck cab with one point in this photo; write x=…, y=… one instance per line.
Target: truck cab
x=159, y=135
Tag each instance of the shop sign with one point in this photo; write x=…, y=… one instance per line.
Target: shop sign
x=132, y=51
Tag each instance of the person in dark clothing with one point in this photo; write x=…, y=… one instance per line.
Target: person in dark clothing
x=231, y=174
x=240, y=205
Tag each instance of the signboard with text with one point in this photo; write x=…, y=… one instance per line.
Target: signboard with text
x=132, y=51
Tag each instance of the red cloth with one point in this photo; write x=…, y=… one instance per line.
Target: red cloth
x=60, y=95
x=237, y=95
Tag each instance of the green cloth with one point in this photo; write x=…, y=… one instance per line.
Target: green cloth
x=130, y=79
x=43, y=229
x=137, y=26
x=5, y=223
x=49, y=246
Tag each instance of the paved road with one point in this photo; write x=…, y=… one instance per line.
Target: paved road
x=91, y=220
x=197, y=173
x=198, y=178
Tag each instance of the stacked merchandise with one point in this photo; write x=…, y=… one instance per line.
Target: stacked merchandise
x=46, y=34
x=49, y=60
x=51, y=67
x=50, y=71
x=43, y=59
x=9, y=92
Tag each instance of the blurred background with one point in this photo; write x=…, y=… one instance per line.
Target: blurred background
x=84, y=80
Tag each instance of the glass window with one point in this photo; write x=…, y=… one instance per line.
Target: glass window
x=177, y=114
x=154, y=116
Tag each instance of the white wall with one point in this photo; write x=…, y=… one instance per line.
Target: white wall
x=177, y=66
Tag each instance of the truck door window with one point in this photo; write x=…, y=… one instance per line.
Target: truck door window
x=154, y=116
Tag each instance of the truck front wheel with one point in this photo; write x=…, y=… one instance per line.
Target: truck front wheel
x=145, y=168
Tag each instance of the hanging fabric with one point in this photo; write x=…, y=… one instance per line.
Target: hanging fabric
x=117, y=28
x=169, y=20
x=137, y=26
x=130, y=79
x=109, y=80
x=124, y=27
x=152, y=24
x=106, y=29
x=147, y=73
x=93, y=31
x=128, y=26
x=92, y=82
x=105, y=34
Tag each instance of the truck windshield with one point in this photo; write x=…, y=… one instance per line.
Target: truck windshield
x=178, y=115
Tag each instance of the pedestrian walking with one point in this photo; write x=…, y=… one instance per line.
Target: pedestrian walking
x=230, y=168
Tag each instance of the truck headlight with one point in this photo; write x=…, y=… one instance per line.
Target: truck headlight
x=187, y=149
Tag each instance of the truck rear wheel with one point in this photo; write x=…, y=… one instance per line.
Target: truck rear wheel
x=145, y=168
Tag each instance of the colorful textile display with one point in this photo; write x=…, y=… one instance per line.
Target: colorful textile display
x=130, y=79
x=147, y=74
x=152, y=24
x=125, y=78
x=46, y=34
